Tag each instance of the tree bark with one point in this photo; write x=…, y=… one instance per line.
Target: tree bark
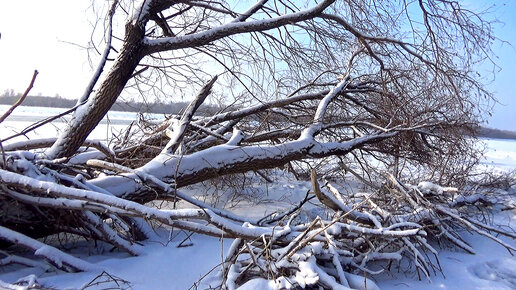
x=87, y=116
x=222, y=160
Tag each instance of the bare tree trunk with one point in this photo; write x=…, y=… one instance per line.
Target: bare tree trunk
x=87, y=116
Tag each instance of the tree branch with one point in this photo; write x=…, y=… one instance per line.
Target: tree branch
x=20, y=100
x=205, y=37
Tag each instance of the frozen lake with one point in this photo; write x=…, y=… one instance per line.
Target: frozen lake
x=500, y=154
x=24, y=116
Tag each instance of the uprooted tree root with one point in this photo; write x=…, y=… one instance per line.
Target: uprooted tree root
x=368, y=234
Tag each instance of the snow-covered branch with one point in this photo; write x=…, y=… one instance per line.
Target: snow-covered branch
x=232, y=28
x=56, y=257
x=224, y=159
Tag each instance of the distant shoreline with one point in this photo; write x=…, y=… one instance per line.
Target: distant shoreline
x=128, y=106
x=176, y=108
x=111, y=121
x=491, y=133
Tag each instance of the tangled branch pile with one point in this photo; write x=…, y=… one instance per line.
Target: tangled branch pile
x=395, y=224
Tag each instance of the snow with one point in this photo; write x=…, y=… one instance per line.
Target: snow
x=260, y=283
x=164, y=264
x=499, y=271
x=55, y=256
x=500, y=155
x=427, y=187
x=25, y=116
x=464, y=271
x=141, y=12
x=232, y=28
x=236, y=138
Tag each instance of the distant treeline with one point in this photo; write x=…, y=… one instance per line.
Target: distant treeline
x=495, y=133
x=175, y=108
x=130, y=106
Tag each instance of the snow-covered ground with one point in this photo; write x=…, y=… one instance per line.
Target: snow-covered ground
x=177, y=260
x=168, y=265
x=501, y=154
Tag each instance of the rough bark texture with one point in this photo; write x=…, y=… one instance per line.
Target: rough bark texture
x=110, y=89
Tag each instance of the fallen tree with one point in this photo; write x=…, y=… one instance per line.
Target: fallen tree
x=369, y=232
x=330, y=79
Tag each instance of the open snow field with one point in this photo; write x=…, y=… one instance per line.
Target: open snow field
x=176, y=260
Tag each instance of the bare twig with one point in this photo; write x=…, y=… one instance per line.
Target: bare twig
x=21, y=99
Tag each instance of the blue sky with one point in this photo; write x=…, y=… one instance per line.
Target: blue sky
x=504, y=84
x=40, y=37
